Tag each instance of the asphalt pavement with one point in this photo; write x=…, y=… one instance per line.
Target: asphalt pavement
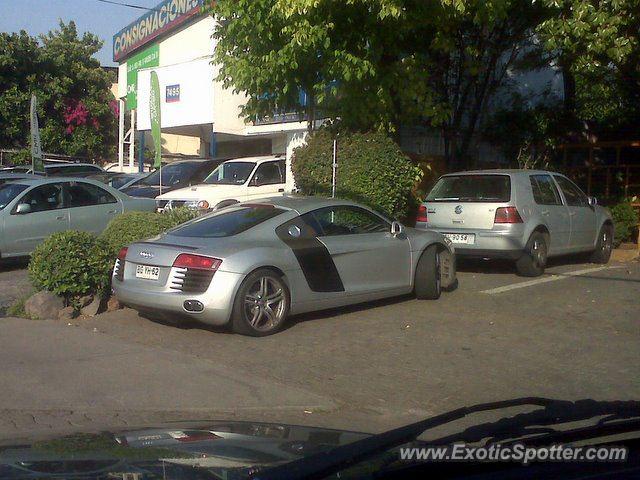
x=570, y=334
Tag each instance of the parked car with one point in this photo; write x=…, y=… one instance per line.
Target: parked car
x=118, y=180
x=176, y=175
x=10, y=177
x=232, y=182
x=254, y=264
x=115, y=167
x=32, y=209
x=524, y=215
x=59, y=169
x=72, y=169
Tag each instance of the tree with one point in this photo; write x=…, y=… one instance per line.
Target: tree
x=75, y=106
x=375, y=64
x=595, y=44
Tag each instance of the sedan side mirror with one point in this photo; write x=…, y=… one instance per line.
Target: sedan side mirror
x=23, y=208
x=397, y=229
x=593, y=201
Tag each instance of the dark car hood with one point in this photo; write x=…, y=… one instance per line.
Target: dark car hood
x=224, y=447
x=147, y=191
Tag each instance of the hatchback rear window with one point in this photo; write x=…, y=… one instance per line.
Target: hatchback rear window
x=228, y=223
x=471, y=188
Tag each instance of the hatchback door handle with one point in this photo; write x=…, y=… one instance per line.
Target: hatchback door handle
x=572, y=214
x=112, y=211
x=61, y=217
x=545, y=213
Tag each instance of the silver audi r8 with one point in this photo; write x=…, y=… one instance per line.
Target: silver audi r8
x=251, y=265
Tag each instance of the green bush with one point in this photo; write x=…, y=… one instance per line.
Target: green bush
x=371, y=169
x=625, y=220
x=71, y=264
x=135, y=226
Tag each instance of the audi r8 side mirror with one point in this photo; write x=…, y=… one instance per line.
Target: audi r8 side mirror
x=396, y=229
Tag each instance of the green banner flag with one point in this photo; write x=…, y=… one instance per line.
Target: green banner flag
x=37, y=164
x=154, y=111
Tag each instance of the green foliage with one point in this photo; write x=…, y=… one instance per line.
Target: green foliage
x=70, y=264
x=526, y=132
x=135, y=226
x=60, y=69
x=371, y=170
x=16, y=309
x=625, y=220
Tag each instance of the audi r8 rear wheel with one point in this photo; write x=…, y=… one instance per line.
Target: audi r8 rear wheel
x=428, y=284
x=261, y=305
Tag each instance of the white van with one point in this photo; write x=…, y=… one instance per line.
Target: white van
x=233, y=181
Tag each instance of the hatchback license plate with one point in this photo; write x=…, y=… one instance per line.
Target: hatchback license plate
x=147, y=272
x=466, y=238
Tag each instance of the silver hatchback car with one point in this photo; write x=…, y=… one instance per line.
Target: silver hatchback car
x=524, y=215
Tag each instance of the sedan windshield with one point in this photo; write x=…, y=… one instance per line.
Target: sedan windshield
x=171, y=174
x=9, y=191
x=471, y=188
x=229, y=223
x=232, y=173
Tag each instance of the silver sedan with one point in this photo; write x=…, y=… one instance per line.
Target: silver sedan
x=33, y=208
x=252, y=265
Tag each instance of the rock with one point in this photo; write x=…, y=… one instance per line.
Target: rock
x=43, y=305
x=93, y=308
x=84, y=301
x=67, y=313
x=113, y=304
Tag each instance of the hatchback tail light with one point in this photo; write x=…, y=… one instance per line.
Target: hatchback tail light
x=507, y=215
x=122, y=254
x=422, y=214
x=198, y=262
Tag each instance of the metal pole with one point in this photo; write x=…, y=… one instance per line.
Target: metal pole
x=121, y=106
x=132, y=143
x=335, y=168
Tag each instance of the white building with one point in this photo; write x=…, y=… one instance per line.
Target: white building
x=199, y=116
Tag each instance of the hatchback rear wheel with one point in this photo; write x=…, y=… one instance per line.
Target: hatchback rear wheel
x=261, y=305
x=534, y=259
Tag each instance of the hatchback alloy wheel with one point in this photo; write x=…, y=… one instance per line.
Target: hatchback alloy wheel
x=539, y=253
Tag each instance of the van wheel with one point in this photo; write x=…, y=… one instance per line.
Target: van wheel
x=262, y=304
x=534, y=259
x=427, y=280
x=602, y=253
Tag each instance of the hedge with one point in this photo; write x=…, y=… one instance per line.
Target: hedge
x=135, y=226
x=625, y=220
x=71, y=264
x=371, y=169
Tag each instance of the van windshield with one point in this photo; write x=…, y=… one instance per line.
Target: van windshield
x=471, y=188
x=230, y=173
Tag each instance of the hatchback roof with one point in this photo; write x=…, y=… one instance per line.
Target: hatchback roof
x=503, y=171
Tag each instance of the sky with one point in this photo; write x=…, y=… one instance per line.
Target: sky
x=101, y=19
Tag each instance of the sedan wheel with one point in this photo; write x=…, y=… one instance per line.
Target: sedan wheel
x=262, y=304
x=604, y=246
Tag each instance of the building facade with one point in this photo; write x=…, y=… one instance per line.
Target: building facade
x=200, y=118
